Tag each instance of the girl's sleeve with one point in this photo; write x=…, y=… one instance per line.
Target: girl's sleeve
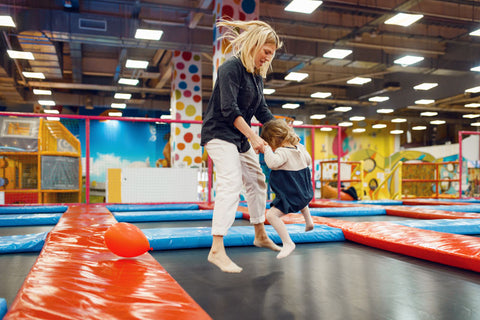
x=307, y=156
x=274, y=160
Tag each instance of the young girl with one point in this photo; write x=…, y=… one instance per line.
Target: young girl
x=290, y=178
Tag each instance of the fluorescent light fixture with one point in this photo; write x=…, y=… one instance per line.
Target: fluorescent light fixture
x=425, y=86
x=7, y=21
x=357, y=118
x=318, y=116
x=41, y=92
x=321, y=95
x=326, y=129
x=358, y=130
x=378, y=99
x=343, y=109
x=115, y=113
x=477, y=69
x=34, y=75
x=475, y=33
x=46, y=102
x=51, y=111
x=337, y=53
x=303, y=6
x=118, y=105
x=473, y=90
x=53, y=118
x=148, y=34
x=20, y=55
x=125, y=96
x=130, y=82
x=472, y=105
x=424, y=101
x=418, y=128
x=136, y=64
x=166, y=116
x=437, y=122
x=475, y=124
x=296, y=76
x=297, y=122
x=404, y=19
x=385, y=110
x=428, y=114
x=396, y=131
x=345, y=124
x=359, y=80
x=379, y=126
x=471, y=115
x=408, y=60
x=399, y=120
x=290, y=105
x=268, y=91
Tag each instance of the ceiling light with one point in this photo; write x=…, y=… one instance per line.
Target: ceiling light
x=7, y=21
x=42, y=92
x=297, y=122
x=359, y=80
x=296, y=76
x=396, y=131
x=166, y=116
x=148, y=34
x=303, y=6
x=473, y=90
x=437, y=122
x=379, y=126
x=337, y=53
x=475, y=33
x=53, y=118
x=318, y=116
x=399, y=120
x=35, y=75
x=343, y=109
x=125, y=96
x=118, y=105
x=425, y=86
x=326, y=129
x=417, y=128
x=475, y=124
x=115, y=113
x=130, y=82
x=46, y=102
x=268, y=91
x=385, y=110
x=477, y=69
x=428, y=114
x=357, y=118
x=472, y=105
x=51, y=111
x=471, y=115
x=378, y=99
x=424, y=101
x=321, y=95
x=404, y=19
x=136, y=64
x=290, y=105
x=20, y=55
x=408, y=60
x=358, y=130
x=345, y=124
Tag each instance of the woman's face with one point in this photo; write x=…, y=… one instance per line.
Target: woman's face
x=264, y=55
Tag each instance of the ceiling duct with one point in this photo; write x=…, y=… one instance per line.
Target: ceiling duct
x=276, y=80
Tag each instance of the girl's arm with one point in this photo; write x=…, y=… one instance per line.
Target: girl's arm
x=274, y=160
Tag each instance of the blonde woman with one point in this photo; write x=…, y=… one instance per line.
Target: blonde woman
x=290, y=179
x=228, y=138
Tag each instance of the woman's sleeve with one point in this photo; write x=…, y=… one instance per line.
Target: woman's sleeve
x=274, y=160
x=229, y=81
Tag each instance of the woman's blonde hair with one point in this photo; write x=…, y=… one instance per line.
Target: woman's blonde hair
x=275, y=132
x=246, y=39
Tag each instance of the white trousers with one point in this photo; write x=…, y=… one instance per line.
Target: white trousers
x=234, y=170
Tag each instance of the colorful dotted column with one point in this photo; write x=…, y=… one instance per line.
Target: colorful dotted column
x=244, y=10
x=186, y=104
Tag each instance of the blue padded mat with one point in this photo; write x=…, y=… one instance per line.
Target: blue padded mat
x=200, y=237
x=151, y=207
x=7, y=220
x=347, y=211
x=457, y=226
x=32, y=209
x=3, y=307
x=175, y=215
x=23, y=243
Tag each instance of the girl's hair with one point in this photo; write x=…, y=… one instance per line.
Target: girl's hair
x=246, y=39
x=275, y=132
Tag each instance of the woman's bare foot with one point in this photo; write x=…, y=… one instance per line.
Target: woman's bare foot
x=222, y=261
x=286, y=250
x=266, y=243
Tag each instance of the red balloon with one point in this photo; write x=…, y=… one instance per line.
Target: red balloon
x=126, y=240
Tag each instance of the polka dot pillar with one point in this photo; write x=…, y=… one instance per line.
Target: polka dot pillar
x=186, y=104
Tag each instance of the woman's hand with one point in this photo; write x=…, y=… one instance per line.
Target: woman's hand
x=258, y=144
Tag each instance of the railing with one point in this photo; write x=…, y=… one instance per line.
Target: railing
x=394, y=177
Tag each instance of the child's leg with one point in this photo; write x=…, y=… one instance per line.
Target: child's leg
x=273, y=216
x=308, y=219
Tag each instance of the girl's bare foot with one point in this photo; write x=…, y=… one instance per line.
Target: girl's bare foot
x=286, y=250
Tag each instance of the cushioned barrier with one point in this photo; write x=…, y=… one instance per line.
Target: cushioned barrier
x=420, y=212
x=475, y=208
x=32, y=209
x=423, y=202
x=7, y=220
x=3, y=307
x=76, y=277
x=458, y=226
x=380, y=202
x=351, y=211
x=175, y=215
x=22, y=243
x=200, y=237
x=151, y=207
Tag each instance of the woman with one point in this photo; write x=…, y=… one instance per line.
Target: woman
x=228, y=137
